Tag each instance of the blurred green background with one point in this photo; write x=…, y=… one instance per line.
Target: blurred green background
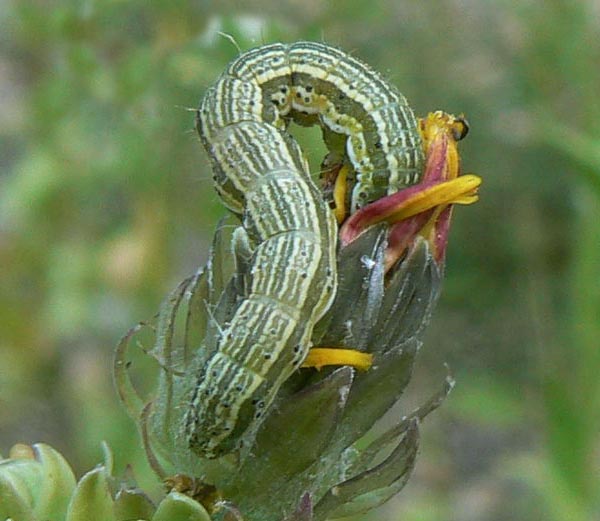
x=106, y=203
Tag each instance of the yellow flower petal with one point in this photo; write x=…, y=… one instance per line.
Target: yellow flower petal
x=321, y=356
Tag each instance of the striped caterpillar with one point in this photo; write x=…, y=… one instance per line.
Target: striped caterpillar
x=289, y=234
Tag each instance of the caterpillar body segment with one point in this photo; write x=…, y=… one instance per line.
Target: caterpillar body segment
x=291, y=235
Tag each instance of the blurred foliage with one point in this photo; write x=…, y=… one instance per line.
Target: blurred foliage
x=106, y=202
x=37, y=483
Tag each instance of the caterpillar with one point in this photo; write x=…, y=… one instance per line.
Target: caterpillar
x=289, y=233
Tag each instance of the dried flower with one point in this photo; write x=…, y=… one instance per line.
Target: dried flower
x=425, y=208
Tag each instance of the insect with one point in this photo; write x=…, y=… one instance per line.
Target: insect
x=289, y=234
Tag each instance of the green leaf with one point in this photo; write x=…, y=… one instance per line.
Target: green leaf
x=366, y=455
x=365, y=502
x=132, y=504
x=197, y=317
x=409, y=298
x=291, y=439
x=179, y=507
x=304, y=510
x=374, y=486
x=374, y=392
x=92, y=499
x=314, y=412
x=360, y=275
x=128, y=394
x=15, y=493
x=57, y=483
x=23, y=475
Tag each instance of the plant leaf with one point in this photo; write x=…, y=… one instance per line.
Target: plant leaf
x=132, y=504
x=57, y=483
x=92, y=498
x=374, y=486
x=179, y=507
x=304, y=510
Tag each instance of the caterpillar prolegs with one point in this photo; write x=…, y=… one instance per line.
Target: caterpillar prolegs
x=261, y=174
